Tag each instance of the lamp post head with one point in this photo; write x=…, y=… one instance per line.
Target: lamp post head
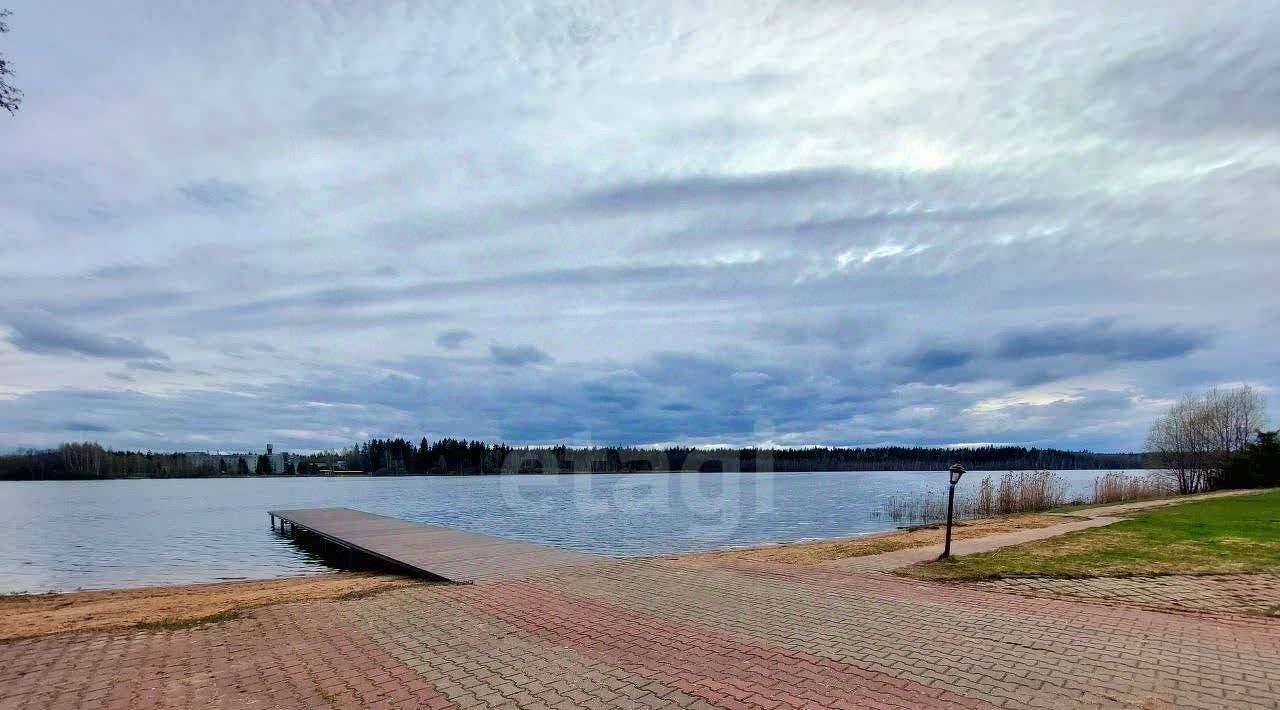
x=956, y=472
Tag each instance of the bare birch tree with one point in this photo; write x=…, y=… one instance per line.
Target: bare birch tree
x=84, y=459
x=1194, y=440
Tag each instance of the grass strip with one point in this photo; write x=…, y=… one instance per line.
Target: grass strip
x=1234, y=535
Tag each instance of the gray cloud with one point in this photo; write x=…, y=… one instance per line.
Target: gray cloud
x=668, y=397
x=517, y=355
x=148, y=365
x=1225, y=79
x=40, y=334
x=653, y=195
x=1036, y=355
x=842, y=331
x=932, y=359
x=87, y=427
x=1101, y=338
x=118, y=272
x=107, y=305
x=453, y=339
x=216, y=194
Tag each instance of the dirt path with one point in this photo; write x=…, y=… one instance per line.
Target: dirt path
x=1123, y=508
x=845, y=547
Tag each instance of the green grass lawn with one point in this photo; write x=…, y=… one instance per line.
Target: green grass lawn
x=1224, y=535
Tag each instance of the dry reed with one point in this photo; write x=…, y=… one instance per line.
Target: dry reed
x=1117, y=487
x=1022, y=492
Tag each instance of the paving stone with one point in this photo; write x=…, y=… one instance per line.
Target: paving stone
x=662, y=634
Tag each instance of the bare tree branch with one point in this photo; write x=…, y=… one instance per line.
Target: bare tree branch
x=10, y=95
x=1195, y=440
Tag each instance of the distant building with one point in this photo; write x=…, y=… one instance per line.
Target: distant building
x=220, y=462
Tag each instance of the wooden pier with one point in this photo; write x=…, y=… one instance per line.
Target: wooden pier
x=425, y=550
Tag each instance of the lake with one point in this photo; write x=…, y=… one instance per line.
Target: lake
x=66, y=535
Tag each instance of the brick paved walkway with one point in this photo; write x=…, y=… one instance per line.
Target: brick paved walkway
x=655, y=633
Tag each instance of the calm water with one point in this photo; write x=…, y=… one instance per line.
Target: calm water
x=64, y=535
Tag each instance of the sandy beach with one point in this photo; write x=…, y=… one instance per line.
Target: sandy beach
x=29, y=615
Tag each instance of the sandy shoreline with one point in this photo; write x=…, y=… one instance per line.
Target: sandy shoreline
x=27, y=615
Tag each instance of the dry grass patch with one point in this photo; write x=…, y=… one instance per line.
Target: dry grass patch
x=843, y=548
x=163, y=608
x=176, y=624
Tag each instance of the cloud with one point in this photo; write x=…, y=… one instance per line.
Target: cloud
x=39, y=334
x=938, y=358
x=1031, y=356
x=107, y=305
x=1101, y=338
x=216, y=194
x=517, y=355
x=1219, y=79
x=842, y=331
x=119, y=271
x=148, y=365
x=841, y=223
x=668, y=397
x=87, y=427
x=453, y=339
x=646, y=196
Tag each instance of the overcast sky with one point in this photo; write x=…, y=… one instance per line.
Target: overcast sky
x=309, y=223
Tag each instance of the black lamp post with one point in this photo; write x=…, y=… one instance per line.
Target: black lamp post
x=956, y=472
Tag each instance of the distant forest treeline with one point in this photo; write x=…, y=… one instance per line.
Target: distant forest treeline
x=458, y=457
x=452, y=456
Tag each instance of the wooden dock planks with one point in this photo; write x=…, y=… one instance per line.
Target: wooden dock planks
x=432, y=550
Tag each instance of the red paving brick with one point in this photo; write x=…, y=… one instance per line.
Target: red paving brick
x=646, y=634
x=998, y=647
x=715, y=666
x=279, y=657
